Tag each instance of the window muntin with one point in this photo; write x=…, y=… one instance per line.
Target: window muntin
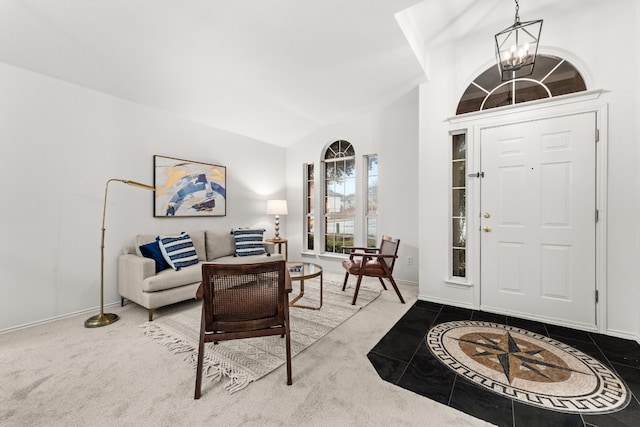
x=371, y=203
x=339, y=196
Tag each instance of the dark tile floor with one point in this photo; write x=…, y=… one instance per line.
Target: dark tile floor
x=402, y=358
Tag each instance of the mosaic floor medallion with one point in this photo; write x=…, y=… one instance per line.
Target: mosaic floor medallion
x=528, y=367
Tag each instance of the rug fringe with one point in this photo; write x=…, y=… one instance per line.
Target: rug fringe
x=214, y=368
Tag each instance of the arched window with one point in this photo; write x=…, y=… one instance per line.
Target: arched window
x=552, y=76
x=339, y=196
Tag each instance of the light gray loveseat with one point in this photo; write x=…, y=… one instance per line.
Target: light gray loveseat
x=139, y=282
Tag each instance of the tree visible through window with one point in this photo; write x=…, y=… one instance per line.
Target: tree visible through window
x=339, y=196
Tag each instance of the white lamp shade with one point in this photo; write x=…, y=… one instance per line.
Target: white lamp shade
x=277, y=207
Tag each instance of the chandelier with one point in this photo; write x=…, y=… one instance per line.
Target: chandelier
x=517, y=46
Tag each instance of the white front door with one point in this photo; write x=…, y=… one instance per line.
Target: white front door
x=538, y=215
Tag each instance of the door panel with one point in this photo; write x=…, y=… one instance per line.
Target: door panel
x=538, y=242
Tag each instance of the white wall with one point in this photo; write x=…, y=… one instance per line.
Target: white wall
x=392, y=133
x=594, y=38
x=59, y=143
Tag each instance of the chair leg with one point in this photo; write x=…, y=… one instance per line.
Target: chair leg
x=288, y=346
x=198, y=391
x=355, y=295
x=151, y=311
x=393, y=283
x=121, y=301
x=382, y=282
x=344, y=285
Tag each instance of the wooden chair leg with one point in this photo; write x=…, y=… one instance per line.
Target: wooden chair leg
x=151, y=311
x=288, y=346
x=198, y=391
x=382, y=282
x=355, y=295
x=121, y=301
x=393, y=283
x=344, y=285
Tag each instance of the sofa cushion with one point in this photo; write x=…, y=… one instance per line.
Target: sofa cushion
x=152, y=250
x=169, y=279
x=248, y=242
x=178, y=250
x=219, y=244
x=198, y=239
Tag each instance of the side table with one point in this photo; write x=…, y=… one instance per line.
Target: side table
x=307, y=270
x=280, y=242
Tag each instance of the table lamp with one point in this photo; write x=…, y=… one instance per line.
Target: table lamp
x=277, y=208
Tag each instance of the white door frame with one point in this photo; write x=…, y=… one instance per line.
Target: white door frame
x=473, y=123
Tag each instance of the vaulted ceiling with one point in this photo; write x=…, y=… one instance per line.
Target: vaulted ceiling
x=274, y=70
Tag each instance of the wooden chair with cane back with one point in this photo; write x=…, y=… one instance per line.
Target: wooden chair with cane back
x=243, y=301
x=373, y=262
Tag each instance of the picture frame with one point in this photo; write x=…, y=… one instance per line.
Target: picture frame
x=185, y=188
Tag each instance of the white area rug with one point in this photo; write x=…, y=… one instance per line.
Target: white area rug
x=246, y=360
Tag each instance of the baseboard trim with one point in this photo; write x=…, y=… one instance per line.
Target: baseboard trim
x=94, y=310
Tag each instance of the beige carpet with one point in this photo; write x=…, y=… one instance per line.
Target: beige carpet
x=241, y=362
x=62, y=374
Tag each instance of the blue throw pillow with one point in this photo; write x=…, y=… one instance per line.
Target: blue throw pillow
x=178, y=251
x=248, y=242
x=152, y=250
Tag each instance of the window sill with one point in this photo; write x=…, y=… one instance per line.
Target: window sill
x=458, y=283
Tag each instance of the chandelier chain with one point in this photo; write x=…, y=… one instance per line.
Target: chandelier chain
x=517, y=12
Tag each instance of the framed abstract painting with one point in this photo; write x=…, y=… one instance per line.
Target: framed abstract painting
x=186, y=188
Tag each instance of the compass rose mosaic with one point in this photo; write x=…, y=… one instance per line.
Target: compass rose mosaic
x=528, y=367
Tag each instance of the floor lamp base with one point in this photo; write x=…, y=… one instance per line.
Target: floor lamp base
x=102, y=319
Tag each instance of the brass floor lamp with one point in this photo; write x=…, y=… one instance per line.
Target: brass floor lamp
x=103, y=318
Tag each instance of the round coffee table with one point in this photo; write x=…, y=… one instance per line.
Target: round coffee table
x=308, y=271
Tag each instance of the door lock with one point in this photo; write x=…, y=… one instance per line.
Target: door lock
x=487, y=215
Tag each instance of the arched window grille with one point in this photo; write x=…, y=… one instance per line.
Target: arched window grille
x=552, y=76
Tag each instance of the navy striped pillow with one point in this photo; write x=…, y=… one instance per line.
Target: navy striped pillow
x=178, y=250
x=248, y=242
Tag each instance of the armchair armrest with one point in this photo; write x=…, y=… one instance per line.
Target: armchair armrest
x=370, y=255
x=361, y=248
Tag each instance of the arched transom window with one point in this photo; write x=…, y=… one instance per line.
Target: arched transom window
x=552, y=76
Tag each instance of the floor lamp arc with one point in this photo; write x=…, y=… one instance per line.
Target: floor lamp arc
x=103, y=318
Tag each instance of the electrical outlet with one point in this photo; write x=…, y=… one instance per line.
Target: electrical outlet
x=409, y=260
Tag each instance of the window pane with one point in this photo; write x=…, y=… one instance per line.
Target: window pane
x=501, y=97
x=459, y=151
x=459, y=239
x=372, y=233
x=529, y=91
x=373, y=165
x=459, y=174
x=458, y=202
x=459, y=263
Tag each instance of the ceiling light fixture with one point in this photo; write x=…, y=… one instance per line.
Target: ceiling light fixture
x=517, y=46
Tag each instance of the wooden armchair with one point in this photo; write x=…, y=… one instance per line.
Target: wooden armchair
x=243, y=301
x=373, y=262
